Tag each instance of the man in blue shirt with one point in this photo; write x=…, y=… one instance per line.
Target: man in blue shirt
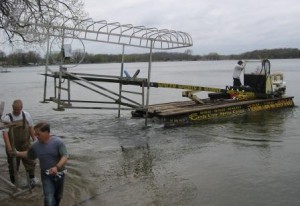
x=52, y=155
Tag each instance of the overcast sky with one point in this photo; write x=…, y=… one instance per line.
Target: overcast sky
x=222, y=26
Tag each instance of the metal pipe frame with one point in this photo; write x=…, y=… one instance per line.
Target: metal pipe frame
x=111, y=33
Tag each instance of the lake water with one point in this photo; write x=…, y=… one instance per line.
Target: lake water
x=247, y=160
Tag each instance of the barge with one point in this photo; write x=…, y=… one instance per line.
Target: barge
x=262, y=91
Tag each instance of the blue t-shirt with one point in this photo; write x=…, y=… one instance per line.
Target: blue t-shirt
x=48, y=154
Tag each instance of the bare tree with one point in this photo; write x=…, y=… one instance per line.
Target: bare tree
x=27, y=20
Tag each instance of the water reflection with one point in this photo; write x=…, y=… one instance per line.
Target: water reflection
x=261, y=127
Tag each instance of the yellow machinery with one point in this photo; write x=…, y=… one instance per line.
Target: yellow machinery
x=258, y=83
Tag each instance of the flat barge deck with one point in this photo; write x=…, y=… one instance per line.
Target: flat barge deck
x=189, y=112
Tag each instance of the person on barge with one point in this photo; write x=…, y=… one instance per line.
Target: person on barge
x=238, y=68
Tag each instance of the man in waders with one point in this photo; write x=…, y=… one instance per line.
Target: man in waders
x=21, y=141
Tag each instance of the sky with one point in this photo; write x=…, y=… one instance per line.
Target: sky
x=216, y=26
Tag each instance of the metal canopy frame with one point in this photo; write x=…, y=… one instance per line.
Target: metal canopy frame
x=116, y=33
x=111, y=33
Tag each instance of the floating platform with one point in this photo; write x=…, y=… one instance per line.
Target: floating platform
x=189, y=112
x=262, y=91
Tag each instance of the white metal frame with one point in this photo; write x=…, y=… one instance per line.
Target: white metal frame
x=114, y=33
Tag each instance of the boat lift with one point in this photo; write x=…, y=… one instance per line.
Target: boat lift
x=110, y=33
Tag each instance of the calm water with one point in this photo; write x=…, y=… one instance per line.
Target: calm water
x=248, y=160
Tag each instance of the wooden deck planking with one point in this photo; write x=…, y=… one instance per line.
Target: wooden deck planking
x=183, y=108
x=177, y=108
x=170, y=105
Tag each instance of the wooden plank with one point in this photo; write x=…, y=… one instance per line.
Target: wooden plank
x=169, y=105
x=184, y=107
x=178, y=108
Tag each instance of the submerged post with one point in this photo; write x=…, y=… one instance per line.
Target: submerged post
x=59, y=108
x=46, y=67
x=120, y=84
x=148, y=82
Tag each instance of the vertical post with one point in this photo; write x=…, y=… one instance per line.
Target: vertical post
x=143, y=94
x=69, y=92
x=60, y=73
x=59, y=88
x=120, y=84
x=46, y=67
x=148, y=82
x=55, y=87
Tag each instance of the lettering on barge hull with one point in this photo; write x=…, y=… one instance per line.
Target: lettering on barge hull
x=227, y=111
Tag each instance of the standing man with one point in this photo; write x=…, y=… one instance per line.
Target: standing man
x=19, y=137
x=237, y=73
x=52, y=155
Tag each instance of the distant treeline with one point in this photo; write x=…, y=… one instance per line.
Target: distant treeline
x=286, y=53
x=33, y=58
